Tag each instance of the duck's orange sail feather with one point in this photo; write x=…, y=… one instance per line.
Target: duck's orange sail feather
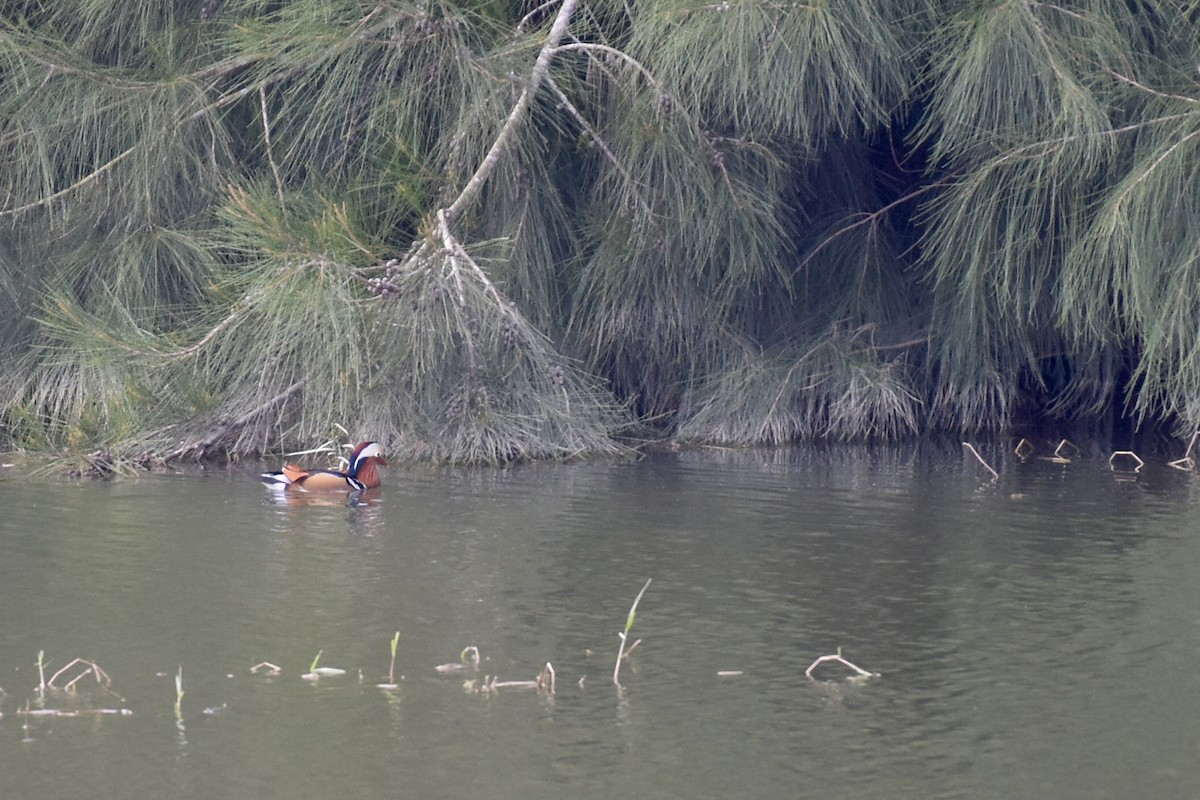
x=294, y=472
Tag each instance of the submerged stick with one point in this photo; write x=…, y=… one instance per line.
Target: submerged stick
x=625, y=633
x=74, y=712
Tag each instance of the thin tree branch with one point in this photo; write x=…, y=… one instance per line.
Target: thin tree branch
x=219, y=71
x=566, y=103
x=220, y=432
x=869, y=218
x=520, y=29
x=79, y=184
x=621, y=54
x=517, y=116
x=262, y=99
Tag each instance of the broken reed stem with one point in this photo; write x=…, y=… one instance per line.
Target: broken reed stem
x=986, y=465
x=625, y=633
x=392, y=667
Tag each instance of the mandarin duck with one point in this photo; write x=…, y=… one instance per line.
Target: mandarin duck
x=363, y=473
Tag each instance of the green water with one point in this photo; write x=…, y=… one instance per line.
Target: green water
x=1036, y=636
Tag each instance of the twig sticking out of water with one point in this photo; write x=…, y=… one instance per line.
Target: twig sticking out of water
x=316, y=673
x=859, y=671
x=621, y=653
x=544, y=682
x=391, y=679
x=1124, y=455
x=179, y=694
x=92, y=668
x=1024, y=449
x=470, y=651
x=978, y=457
x=268, y=667
x=1187, y=463
x=1064, y=453
x=71, y=674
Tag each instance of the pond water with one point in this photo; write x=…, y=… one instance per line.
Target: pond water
x=1035, y=635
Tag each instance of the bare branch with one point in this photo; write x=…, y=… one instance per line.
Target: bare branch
x=517, y=116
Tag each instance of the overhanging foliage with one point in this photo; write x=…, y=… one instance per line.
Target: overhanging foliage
x=485, y=231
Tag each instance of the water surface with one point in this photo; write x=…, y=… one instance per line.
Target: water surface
x=1035, y=635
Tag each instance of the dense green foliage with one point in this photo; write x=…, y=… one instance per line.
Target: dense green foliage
x=481, y=231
